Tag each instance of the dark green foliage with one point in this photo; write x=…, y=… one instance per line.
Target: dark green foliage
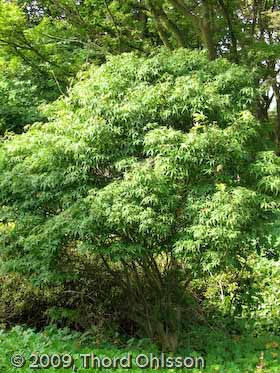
x=263, y=310
x=88, y=298
x=20, y=302
x=19, y=98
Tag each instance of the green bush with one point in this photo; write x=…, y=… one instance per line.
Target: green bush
x=153, y=165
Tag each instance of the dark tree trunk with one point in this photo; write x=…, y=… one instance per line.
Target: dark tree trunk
x=202, y=22
x=226, y=12
x=160, y=28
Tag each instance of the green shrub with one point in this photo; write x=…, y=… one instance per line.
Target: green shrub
x=151, y=166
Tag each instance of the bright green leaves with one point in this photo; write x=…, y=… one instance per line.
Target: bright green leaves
x=140, y=208
x=206, y=150
x=221, y=227
x=267, y=168
x=12, y=19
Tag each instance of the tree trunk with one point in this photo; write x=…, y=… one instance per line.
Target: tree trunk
x=207, y=31
x=163, y=21
x=234, y=51
x=171, y=27
x=203, y=22
x=161, y=31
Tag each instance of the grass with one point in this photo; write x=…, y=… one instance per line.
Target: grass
x=222, y=353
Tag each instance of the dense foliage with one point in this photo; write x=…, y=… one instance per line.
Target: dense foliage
x=154, y=165
x=133, y=135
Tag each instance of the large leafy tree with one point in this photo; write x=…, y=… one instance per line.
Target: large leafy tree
x=152, y=164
